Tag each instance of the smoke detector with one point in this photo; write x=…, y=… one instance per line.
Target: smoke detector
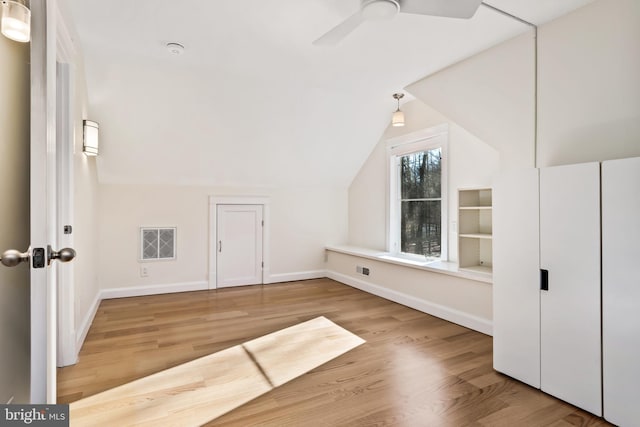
x=175, y=48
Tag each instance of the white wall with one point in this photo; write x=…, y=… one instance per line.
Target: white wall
x=472, y=163
x=302, y=222
x=589, y=87
x=492, y=95
x=85, y=214
x=14, y=213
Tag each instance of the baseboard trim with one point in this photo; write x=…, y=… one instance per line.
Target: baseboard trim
x=138, y=291
x=447, y=313
x=292, y=277
x=87, y=321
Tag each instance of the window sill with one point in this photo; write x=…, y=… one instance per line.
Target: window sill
x=443, y=267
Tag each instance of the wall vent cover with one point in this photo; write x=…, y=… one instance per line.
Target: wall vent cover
x=157, y=243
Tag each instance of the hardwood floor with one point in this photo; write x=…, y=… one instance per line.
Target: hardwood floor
x=414, y=369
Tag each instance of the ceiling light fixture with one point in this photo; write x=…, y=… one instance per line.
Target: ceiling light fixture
x=90, y=145
x=16, y=20
x=398, y=116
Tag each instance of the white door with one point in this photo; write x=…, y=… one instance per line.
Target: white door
x=239, y=246
x=570, y=340
x=516, y=287
x=43, y=201
x=14, y=224
x=621, y=290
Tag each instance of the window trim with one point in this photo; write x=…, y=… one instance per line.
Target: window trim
x=426, y=139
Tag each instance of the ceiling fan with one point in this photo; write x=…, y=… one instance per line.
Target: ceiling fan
x=386, y=9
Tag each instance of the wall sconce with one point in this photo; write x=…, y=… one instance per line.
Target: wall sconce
x=16, y=20
x=90, y=138
x=398, y=116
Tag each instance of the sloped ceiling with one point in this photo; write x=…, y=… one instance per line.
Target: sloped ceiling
x=251, y=102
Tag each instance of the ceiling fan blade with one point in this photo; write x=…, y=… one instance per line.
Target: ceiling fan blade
x=464, y=9
x=337, y=33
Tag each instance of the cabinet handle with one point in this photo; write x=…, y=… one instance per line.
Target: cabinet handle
x=544, y=280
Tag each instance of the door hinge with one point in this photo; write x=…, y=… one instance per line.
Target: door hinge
x=262, y=264
x=263, y=222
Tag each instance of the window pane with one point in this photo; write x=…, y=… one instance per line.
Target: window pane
x=420, y=175
x=149, y=244
x=420, y=228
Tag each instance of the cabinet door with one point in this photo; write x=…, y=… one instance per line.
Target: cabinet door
x=621, y=290
x=570, y=339
x=516, y=289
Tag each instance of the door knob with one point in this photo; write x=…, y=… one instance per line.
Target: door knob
x=12, y=257
x=63, y=255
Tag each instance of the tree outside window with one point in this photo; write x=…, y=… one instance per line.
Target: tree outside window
x=421, y=203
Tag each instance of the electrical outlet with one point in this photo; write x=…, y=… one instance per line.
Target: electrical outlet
x=358, y=269
x=144, y=271
x=365, y=271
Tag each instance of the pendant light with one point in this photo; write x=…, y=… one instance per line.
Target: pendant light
x=398, y=116
x=16, y=20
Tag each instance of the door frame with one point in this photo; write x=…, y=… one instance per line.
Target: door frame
x=214, y=201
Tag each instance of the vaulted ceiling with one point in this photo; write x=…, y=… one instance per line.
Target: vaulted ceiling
x=251, y=102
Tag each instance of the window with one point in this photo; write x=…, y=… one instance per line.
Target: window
x=157, y=243
x=418, y=202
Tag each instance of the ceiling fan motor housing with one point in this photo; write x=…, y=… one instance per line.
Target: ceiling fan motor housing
x=376, y=10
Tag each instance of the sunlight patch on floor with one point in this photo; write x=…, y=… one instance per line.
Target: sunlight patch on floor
x=199, y=391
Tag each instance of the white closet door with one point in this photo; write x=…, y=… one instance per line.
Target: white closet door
x=621, y=290
x=239, y=256
x=570, y=310
x=516, y=288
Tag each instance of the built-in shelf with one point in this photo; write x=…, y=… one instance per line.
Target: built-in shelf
x=475, y=230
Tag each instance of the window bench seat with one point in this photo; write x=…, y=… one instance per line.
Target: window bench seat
x=437, y=288
x=444, y=267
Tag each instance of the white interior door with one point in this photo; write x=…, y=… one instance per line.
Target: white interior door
x=14, y=227
x=621, y=290
x=516, y=287
x=43, y=200
x=570, y=310
x=239, y=245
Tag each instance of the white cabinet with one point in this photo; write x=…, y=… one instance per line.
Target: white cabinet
x=549, y=339
x=516, y=284
x=621, y=290
x=570, y=334
x=475, y=231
